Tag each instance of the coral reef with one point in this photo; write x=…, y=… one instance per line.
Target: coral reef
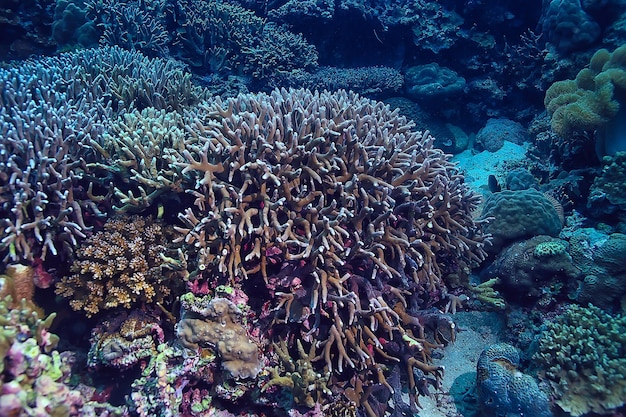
x=339, y=218
x=218, y=37
x=124, y=265
x=503, y=389
x=581, y=352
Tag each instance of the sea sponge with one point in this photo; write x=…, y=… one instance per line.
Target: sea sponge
x=582, y=353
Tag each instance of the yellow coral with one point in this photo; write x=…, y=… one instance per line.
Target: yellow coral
x=120, y=266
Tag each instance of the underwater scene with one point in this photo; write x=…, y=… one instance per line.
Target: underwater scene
x=307, y=208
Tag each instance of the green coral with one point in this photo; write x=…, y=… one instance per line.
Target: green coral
x=486, y=293
x=550, y=248
x=583, y=355
x=589, y=101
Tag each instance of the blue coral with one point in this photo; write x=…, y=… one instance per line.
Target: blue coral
x=505, y=391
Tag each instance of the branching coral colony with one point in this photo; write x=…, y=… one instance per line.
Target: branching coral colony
x=339, y=221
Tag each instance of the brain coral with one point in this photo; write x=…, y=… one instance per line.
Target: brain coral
x=505, y=391
x=520, y=214
x=583, y=356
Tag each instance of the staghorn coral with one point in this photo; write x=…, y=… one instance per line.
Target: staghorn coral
x=138, y=151
x=373, y=82
x=307, y=386
x=279, y=53
x=45, y=121
x=52, y=114
x=329, y=207
x=582, y=354
x=124, y=265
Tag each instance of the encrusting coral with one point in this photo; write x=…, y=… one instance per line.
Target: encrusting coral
x=124, y=265
x=216, y=323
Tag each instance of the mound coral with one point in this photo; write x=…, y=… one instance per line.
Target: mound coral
x=520, y=214
x=124, y=265
x=583, y=355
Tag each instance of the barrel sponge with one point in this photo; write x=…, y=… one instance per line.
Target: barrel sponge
x=503, y=389
x=593, y=99
x=582, y=353
x=519, y=214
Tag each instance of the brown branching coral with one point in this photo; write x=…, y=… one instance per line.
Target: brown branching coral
x=306, y=385
x=343, y=214
x=124, y=265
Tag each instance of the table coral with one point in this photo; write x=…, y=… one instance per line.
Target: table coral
x=123, y=265
x=583, y=355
